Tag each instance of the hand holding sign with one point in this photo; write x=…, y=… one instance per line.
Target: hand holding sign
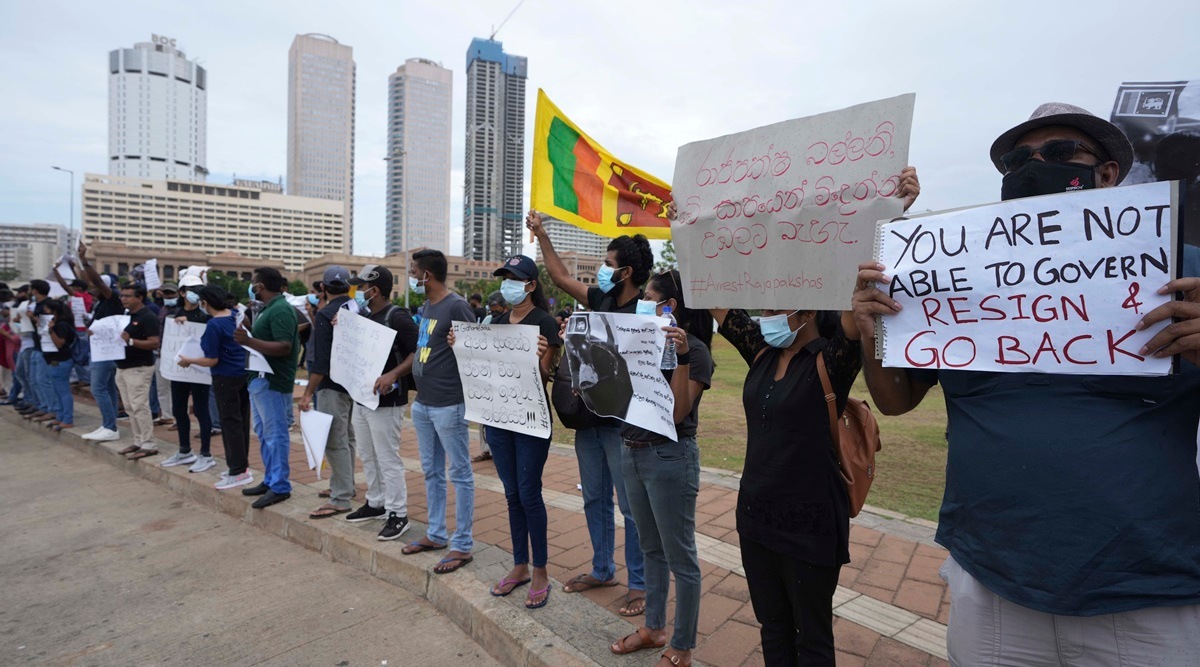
x=1182, y=337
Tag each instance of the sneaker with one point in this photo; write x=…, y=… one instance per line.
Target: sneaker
x=179, y=459
x=102, y=435
x=366, y=513
x=202, y=463
x=395, y=527
x=234, y=481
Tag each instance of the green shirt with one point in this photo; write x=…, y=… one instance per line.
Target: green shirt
x=277, y=323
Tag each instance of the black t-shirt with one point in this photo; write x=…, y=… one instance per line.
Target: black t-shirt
x=65, y=331
x=143, y=325
x=480, y=313
x=700, y=369
x=322, y=342
x=545, y=322
x=403, y=345
x=103, y=308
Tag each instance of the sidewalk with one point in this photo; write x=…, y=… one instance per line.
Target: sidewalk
x=890, y=607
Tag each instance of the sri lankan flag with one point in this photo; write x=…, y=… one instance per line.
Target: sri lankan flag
x=576, y=180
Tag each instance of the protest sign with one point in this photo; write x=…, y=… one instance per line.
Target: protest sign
x=256, y=362
x=150, y=272
x=614, y=360
x=360, y=351
x=1051, y=284
x=79, y=311
x=501, y=378
x=106, y=343
x=63, y=267
x=43, y=329
x=174, y=337
x=56, y=290
x=314, y=431
x=779, y=216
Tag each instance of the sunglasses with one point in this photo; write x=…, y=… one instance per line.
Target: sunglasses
x=1057, y=151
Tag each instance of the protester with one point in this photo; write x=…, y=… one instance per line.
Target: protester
x=662, y=479
x=161, y=401
x=80, y=350
x=190, y=311
x=496, y=306
x=626, y=268
x=438, y=414
x=1084, y=523
x=332, y=398
x=10, y=343
x=226, y=361
x=102, y=373
x=22, y=394
x=274, y=336
x=477, y=306
x=38, y=318
x=136, y=371
x=56, y=345
x=378, y=430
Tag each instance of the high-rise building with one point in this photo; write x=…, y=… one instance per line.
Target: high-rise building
x=418, y=179
x=157, y=112
x=31, y=250
x=494, y=179
x=569, y=238
x=321, y=77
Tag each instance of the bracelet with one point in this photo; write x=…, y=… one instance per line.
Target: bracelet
x=685, y=358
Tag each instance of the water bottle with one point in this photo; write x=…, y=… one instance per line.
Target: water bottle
x=669, y=360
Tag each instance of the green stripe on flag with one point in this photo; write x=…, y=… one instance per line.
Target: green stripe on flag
x=561, y=146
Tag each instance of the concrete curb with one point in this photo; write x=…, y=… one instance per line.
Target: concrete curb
x=566, y=633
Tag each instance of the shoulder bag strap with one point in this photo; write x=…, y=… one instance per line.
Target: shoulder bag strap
x=830, y=401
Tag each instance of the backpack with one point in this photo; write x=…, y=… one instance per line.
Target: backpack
x=406, y=381
x=855, y=440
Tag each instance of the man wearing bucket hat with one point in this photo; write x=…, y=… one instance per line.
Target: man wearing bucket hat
x=1073, y=539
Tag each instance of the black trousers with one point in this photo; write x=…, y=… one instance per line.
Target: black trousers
x=180, y=391
x=793, y=600
x=233, y=406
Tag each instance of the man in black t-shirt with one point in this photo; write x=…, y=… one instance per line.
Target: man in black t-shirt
x=136, y=370
x=106, y=302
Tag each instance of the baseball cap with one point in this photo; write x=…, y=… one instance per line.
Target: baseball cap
x=170, y=287
x=520, y=266
x=377, y=275
x=1111, y=139
x=336, y=276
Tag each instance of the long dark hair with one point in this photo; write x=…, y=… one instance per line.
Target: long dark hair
x=62, y=311
x=538, y=296
x=698, y=323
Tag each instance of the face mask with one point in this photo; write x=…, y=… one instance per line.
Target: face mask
x=1045, y=178
x=776, y=332
x=313, y=300
x=513, y=291
x=604, y=278
x=193, y=298
x=415, y=285
x=171, y=302
x=648, y=307
x=361, y=299
x=250, y=291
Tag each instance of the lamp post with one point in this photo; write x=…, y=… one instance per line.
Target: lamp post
x=403, y=155
x=70, y=213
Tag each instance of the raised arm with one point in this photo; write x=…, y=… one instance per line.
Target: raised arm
x=554, y=264
x=93, y=276
x=893, y=389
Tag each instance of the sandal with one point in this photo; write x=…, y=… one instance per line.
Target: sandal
x=418, y=547
x=326, y=511
x=586, y=582
x=530, y=604
x=329, y=492
x=515, y=583
x=454, y=562
x=141, y=454
x=635, y=605
x=674, y=660
x=129, y=450
x=621, y=646
x=486, y=456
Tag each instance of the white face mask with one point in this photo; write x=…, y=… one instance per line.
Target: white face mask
x=645, y=307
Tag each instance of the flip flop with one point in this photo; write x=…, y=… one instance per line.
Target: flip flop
x=630, y=599
x=141, y=454
x=418, y=547
x=326, y=511
x=620, y=647
x=515, y=583
x=460, y=563
x=533, y=593
x=580, y=584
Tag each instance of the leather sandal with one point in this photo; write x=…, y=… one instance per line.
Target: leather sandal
x=622, y=647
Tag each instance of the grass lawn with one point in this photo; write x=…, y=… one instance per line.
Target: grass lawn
x=911, y=467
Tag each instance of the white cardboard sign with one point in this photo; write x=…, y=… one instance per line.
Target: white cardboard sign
x=153, y=282
x=174, y=339
x=105, y=342
x=360, y=351
x=501, y=377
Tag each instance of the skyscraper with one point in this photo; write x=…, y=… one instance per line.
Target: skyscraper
x=494, y=184
x=418, y=182
x=321, y=76
x=157, y=112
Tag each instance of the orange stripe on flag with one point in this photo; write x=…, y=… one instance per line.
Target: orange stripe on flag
x=588, y=186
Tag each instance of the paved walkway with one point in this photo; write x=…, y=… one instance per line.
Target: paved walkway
x=890, y=608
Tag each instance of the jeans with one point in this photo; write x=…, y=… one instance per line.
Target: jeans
x=233, y=403
x=519, y=459
x=21, y=375
x=443, y=433
x=180, y=391
x=339, y=448
x=793, y=600
x=377, y=436
x=135, y=389
x=63, y=403
x=599, y=452
x=81, y=355
x=39, y=380
x=104, y=390
x=270, y=425
x=662, y=482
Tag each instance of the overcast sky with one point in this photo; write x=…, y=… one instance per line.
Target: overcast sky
x=641, y=77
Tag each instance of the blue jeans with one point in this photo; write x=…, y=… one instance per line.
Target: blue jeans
x=62, y=402
x=104, y=390
x=22, y=386
x=270, y=425
x=519, y=459
x=599, y=452
x=662, y=482
x=81, y=355
x=442, y=433
x=39, y=381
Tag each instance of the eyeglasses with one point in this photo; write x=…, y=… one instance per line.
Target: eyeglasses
x=1057, y=151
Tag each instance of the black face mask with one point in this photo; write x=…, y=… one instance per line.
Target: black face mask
x=1047, y=178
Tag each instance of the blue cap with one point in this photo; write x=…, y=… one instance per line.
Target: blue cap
x=520, y=266
x=336, y=276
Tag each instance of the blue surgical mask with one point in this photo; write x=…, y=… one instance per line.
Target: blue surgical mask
x=360, y=300
x=313, y=300
x=193, y=298
x=513, y=291
x=648, y=307
x=604, y=278
x=776, y=332
x=415, y=285
x=250, y=292
x=171, y=302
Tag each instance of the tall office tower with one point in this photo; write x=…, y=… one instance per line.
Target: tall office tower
x=157, y=112
x=418, y=180
x=494, y=184
x=321, y=123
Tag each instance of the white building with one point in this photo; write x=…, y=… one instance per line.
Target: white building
x=494, y=178
x=250, y=218
x=418, y=183
x=569, y=238
x=157, y=113
x=321, y=75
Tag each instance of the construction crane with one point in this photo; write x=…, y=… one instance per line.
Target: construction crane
x=506, y=18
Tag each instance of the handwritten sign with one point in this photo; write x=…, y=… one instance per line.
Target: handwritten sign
x=360, y=351
x=79, y=311
x=314, y=431
x=175, y=337
x=105, y=342
x=778, y=216
x=614, y=360
x=501, y=378
x=1050, y=284
x=150, y=269
x=43, y=330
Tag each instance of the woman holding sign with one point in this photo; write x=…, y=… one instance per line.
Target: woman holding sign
x=56, y=351
x=189, y=289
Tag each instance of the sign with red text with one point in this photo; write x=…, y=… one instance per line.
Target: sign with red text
x=781, y=216
x=1052, y=284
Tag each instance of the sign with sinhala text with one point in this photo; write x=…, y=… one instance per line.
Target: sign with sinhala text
x=105, y=342
x=359, y=353
x=780, y=216
x=501, y=379
x=174, y=337
x=1050, y=284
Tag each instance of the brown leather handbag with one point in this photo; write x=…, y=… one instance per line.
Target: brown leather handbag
x=855, y=439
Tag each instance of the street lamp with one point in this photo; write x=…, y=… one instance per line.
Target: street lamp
x=403, y=155
x=71, y=213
